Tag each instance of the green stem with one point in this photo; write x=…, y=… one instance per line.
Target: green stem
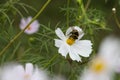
x=11, y=41
x=83, y=9
x=67, y=17
x=87, y=5
x=95, y=23
x=116, y=20
x=50, y=61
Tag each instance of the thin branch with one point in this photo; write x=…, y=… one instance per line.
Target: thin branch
x=18, y=35
x=116, y=20
x=67, y=17
x=87, y=5
x=51, y=60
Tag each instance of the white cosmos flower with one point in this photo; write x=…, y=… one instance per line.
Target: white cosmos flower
x=33, y=28
x=58, y=77
x=19, y=72
x=74, y=47
x=89, y=75
x=110, y=51
x=105, y=64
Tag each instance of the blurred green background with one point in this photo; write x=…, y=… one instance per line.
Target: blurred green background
x=39, y=48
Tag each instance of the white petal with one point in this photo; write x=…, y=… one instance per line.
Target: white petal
x=110, y=49
x=36, y=24
x=58, y=42
x=29, y=68
x=39, y=75
x=19, y=70
x=74, y=55
x=90, y=75
x=9, y=75
x=58, y=77
x=28, y=19
x=23, y=20
x=110, y=46
x=22, y=24
x=68, y=31
x=36, y=75
x=12, y=72
x=84, y=47
x=63, y=50
x=60, y=34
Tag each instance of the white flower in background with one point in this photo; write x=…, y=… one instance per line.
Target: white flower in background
x=89, y=75
x=19, y=72
x=106, y=62
x=33, y=28
x=99, y=70
x=110, y=51
x=58, y=77
x=71, y=44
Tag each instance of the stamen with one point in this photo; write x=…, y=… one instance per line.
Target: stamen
x=29, y=28
x=26, y=76
x=98, y=66
x=70, y=41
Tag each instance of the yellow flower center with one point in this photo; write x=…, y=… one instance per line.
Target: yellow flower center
x=70, y=41
x=26, y=76
x=98, y=66
x=29, y=28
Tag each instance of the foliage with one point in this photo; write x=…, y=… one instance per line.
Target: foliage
x=39, y=48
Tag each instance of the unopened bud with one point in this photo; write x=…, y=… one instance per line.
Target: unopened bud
x=114, y=10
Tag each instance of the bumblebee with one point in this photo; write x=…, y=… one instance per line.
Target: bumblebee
x=74, y=34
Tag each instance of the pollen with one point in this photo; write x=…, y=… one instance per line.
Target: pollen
x=98, y=66
x=29, y=28
x=26, y=76
x=70, y=41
